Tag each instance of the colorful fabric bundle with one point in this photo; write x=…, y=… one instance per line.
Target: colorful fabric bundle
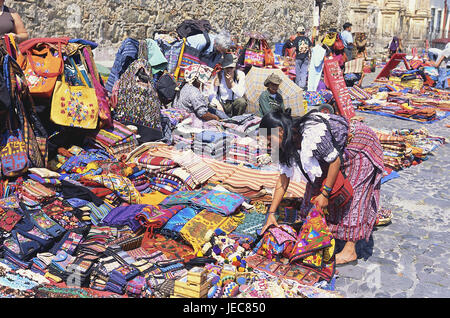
x=155, y=216
x=62, y=213
x=173, y=227
x=315, y=244
x=194, y=231
x=357, y=93
x=277, y=241
x=224, y=203
x=170, y=248
x=121, y=186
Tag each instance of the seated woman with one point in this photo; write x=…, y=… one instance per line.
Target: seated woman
x=189, y=96
x=228, y=88
x=270, y=99
x=319, y=146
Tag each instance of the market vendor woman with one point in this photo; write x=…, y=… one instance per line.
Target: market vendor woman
x=315, y=145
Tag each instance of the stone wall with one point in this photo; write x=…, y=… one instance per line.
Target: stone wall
x=108, y=22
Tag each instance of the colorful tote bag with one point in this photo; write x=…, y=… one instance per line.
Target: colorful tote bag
x=42, y=64
x=74, y=106
x=137, y=99
x=254, y=55
x=13, y=155
x=313, y=239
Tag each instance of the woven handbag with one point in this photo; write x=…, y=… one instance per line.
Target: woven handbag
x=137, y=99
x=41, y=64
x=254, y=56
x=74, y=106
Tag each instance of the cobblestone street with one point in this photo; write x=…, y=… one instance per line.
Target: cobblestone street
x=409, y=257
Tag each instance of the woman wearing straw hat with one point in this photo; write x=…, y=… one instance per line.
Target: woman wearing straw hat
x=270, y=99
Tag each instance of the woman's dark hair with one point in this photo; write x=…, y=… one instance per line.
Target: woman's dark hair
x=282, y=119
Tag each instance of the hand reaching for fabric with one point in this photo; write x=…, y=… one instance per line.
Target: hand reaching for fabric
x=320, y=201
x=271, y=220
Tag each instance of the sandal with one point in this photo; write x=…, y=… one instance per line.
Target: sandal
x=384, y=217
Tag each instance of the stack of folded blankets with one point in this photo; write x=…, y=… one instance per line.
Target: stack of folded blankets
x=394, y=150
x=154, y=164
x=241, y=125
x=244, y=151
x=119, y=278
x=117, y=140
x=195, y=166
x=212, y=144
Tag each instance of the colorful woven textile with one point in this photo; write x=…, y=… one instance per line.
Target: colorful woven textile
x=155, y=216
x=121, y=186
x=315, y=244
x=224, y=203
x=194, y=231
x=176, y=223
x=172, y=249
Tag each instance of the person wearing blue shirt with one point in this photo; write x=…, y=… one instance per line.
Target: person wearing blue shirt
x=347, y=39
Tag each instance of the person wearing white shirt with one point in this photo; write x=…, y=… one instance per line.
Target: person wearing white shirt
x=227, y=91
x=347, y=39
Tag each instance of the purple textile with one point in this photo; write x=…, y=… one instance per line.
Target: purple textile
x=124, y=215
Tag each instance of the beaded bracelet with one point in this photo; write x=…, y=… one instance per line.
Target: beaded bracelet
x=327, y=189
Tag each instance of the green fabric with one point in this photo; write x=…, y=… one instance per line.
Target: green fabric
x=155, y=57
x=103, y=70
x=267, y=103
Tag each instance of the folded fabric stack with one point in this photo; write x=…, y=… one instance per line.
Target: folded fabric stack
x=154, y=164
x=195, y=166
x=211, y=144
x=124, y=215
x=317, y=98
x=136, y=286
x=394, y=150
x=119, y=278
x=240, y=125
x=117, y=141
x=97, y=213
x=244, y=151
x=420, y=141
x=41, y=262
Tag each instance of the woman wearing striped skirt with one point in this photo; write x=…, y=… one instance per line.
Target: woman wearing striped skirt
x=320, y=145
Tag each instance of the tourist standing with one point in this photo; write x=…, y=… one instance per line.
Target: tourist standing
x=302, y=46
x=347, y=39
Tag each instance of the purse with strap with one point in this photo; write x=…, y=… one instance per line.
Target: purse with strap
x=104, y=108
x=41, y=65
x=254, y=56
x=74, y=106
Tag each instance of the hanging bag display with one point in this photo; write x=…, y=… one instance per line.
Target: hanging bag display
x=42, y=64
x=13, y=154
x=137, y=100
x=254, y=56
x=104, y=108
x=269, y=59
x=74, y=106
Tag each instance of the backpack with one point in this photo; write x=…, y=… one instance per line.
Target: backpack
x=165, y=87
x=193, y=27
